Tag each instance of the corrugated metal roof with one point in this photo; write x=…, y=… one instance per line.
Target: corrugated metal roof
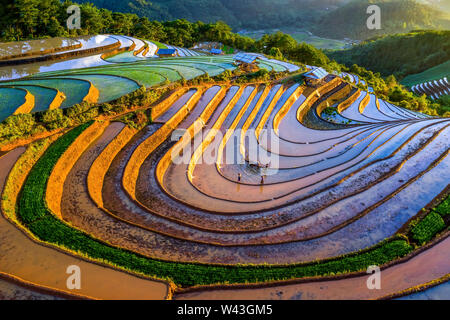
x=166, y=51
x=316, y=73
x=243, y=57
x=259, y=55
x=216, y=51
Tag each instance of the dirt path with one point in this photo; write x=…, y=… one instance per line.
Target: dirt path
x=432, y=264
x=25, y=259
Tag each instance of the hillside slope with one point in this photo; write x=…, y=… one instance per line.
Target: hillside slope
x=252, y=14
x=328, y=18
x=397, y=16
x=435, y=73
x=400, y=54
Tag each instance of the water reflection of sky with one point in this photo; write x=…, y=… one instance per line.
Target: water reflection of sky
x=126, y=42
x=16, y=72
x=89, y=42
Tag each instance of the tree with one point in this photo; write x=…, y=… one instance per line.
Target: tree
x=276, y=53
x=307, y=54
x=27, y=15
x=179, y=32
x=391, y=82
x=49, y=11
x=91, y=19
x=279, y=40
x=54, y=28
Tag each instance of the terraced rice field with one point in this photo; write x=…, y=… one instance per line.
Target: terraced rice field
x=180, y=210
x=435, y=73
x=10, y=100
x=45, y=98
x=125, y=65
x=229, y=184
x=15, y=50
x=75, y=90
x=434, y=89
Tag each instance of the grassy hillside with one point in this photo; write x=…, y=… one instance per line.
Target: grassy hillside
x=397, y=16
x=435, y=73
x=400, y=54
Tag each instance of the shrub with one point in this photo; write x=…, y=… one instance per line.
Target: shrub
x=136, y=120
x=77, y=109
x=54, y=119
x=17, y=125
x=224, y=76
x=54, y=115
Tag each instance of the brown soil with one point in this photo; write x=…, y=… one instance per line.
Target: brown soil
x=45, y=266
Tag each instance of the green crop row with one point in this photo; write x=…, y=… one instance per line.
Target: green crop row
x=423, y=230
x=31, y=202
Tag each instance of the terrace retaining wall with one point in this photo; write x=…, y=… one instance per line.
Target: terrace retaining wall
x=59, y=99
x=141, y=153
x=315, y=96
x=268, y=111
x=347, y=103
x=284, y=110
x=344, y=92
x=102, y=163
x=93, y=94
x=159, y=109
x=117, y=51
x=364, y=102
x=64, y=165
x=28, y=104
x=193, y=129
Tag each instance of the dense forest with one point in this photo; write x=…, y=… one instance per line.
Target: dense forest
x=400, y=54
x=328, y=18
x=31, y=19
x=239, y=14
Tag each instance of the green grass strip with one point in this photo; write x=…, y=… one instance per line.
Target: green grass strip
x=427, y=228
x=34, y=213
x=444, y=207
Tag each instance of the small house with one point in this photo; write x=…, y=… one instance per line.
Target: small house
x=315, y=76
x=216, y=51
x=246, y=62
x=166, y=53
